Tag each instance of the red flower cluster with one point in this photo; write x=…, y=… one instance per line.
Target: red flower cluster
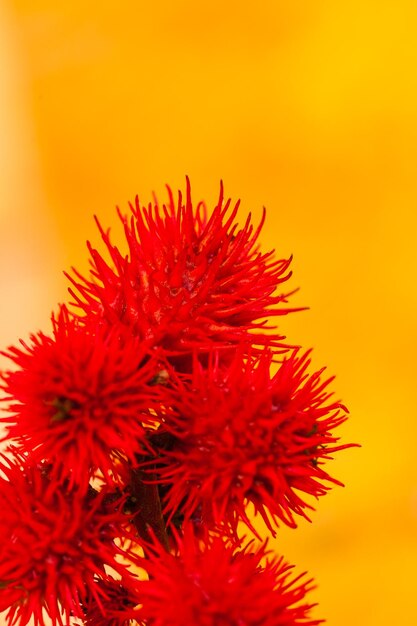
x=153, y=414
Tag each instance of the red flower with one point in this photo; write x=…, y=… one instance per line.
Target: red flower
x=210, y=585
x=80, y=399
x=188, y=282
x=54, y=545
x=240, y=435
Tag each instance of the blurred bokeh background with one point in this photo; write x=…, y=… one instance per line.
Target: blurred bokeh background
x=309, y=108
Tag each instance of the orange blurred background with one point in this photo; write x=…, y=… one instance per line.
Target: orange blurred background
x=309, y=108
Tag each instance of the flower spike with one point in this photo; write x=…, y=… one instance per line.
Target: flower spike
x=161, y=411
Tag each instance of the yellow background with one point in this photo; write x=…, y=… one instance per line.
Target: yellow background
x=306, y=107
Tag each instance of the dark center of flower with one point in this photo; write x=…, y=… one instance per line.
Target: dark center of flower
x=63, y=407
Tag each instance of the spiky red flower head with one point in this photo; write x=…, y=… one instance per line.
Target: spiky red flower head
x=212, y=585
x=188, y=281
x=54, y=545
x=240, y=435
x=80, y=399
